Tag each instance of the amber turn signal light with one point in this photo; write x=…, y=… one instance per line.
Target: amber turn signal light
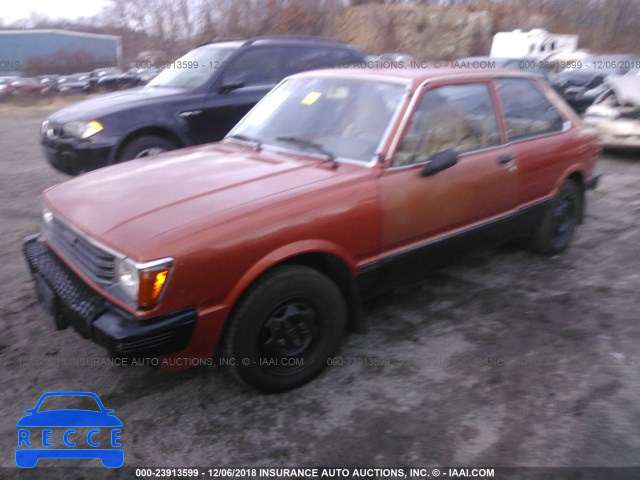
x=151, y=286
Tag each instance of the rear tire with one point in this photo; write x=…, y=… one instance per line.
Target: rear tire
x=146, y=146
x=285, y=329
x=555, y=231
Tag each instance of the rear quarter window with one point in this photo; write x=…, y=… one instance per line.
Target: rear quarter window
x=527, y=111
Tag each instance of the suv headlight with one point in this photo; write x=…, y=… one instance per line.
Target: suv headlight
x=82, y=130
x=143, y=283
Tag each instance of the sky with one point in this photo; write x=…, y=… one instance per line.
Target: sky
x=12, y=10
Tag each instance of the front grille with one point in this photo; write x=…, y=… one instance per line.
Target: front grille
x=94, y=261
x=79, y=305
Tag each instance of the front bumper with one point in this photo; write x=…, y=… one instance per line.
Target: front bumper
x=620, y=141
x=618, y=133
x=74, y=156
x=69, y=301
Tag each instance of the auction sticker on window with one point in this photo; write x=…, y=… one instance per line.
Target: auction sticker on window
x=311, y=98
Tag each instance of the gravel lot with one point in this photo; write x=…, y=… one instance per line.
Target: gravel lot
x=503, y=359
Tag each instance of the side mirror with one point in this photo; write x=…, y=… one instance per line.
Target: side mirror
x=229, y=85
x=29, y=410
x=439, y=162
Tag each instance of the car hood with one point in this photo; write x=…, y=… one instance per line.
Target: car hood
x=130, y=203
x=69, y=418
x=575, y=77
x=626, y=107
x=625, y=88
x=99, y=107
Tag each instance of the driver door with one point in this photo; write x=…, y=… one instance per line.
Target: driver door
x=242, y=84
x=419, y=210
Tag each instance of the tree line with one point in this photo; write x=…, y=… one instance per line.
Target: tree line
x=175, y=26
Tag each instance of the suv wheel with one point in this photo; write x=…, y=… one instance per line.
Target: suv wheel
x=285, y=329
x=147, y=146
x=555, y=231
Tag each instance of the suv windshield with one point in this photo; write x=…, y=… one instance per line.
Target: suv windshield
x=338, y=117
x=193, y=69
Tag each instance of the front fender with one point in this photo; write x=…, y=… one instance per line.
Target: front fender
x=283, y=254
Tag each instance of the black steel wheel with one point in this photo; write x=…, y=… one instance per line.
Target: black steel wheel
x=285, y=329
x=555, y=231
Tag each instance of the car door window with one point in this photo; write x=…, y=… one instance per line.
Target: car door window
x=527, y=111
x=459, y=117
x=255, y=67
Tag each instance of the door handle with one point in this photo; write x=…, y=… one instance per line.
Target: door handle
x=192, y=113
x=506, y=158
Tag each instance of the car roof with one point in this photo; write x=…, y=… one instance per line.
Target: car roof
x=231, y=44
x=418, y=76
x=281, y=39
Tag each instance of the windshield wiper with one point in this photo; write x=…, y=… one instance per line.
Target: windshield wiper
x=246, y=138
x=303, y=142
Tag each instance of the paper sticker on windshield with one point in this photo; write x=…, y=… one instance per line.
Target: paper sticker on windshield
x=338, y=93
x=311, y=98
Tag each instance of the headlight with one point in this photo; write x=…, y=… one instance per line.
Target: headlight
x=82, y=129
x=47, y=214
x=143, y=283
x=127, y=278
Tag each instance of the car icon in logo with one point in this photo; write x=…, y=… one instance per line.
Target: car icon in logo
x=69, y=433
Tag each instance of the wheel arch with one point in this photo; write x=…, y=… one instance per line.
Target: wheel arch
x=325, y=257
x=150, y=130
x=576, y=175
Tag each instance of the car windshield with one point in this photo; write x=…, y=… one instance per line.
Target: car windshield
x=338, y=117
x=65, y=402
x=193, y=69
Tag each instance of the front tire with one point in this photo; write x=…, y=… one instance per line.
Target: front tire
x=285, y=329
x=147, y=146
x=555, y=231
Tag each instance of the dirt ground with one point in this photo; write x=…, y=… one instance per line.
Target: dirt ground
x=503, y=359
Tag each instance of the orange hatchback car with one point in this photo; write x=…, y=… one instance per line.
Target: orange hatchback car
x=256, y=249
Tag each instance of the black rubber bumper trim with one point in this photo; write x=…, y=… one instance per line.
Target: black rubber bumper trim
x=70, y=301
x=130, y=337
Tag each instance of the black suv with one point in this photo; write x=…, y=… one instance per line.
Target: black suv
x=196, y=99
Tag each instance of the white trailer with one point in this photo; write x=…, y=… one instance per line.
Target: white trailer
x=536, y=43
